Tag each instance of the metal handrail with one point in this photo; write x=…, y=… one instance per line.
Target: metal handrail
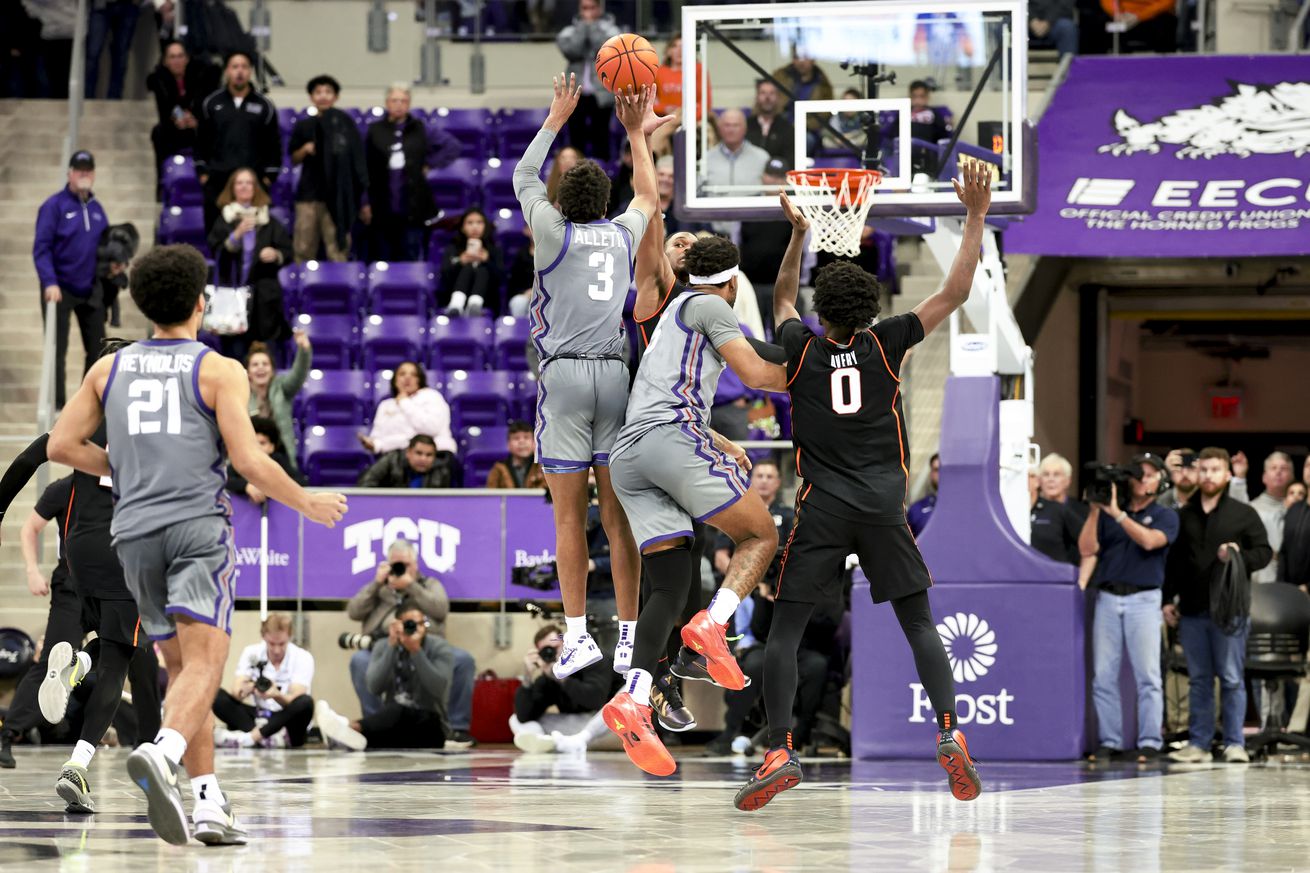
x=76, y=82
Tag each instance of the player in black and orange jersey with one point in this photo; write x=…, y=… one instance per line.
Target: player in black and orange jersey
x=852, y=455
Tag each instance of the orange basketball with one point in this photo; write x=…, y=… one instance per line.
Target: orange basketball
x=626, y=61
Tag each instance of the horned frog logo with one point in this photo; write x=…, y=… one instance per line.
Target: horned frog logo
x=1252, y=120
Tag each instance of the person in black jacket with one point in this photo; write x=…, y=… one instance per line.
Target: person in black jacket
x=333, y=177
x=587, y=690
x=179, y=84
x=768, y=126
x=1214, y=530
x=270, y=440
x=238, y=128
x=763, y=243
x=251, y=246
x=1294, y=557
x=397, y=153
x=419, y=465
x=471, y=266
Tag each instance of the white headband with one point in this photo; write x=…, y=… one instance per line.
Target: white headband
x=716, y=279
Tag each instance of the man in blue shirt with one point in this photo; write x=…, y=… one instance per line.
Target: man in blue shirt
x=921, y=511
x=1123, y=556
x=68, y=228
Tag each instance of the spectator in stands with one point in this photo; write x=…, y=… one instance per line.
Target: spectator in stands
x=413, y=408
x=766, y=481
x=851, y=124
x=419, y=465
x=179, y=85
x=1181, y=464
x=1056, y=520
x=1296, y=493
x=734, y=161
x=520, y=469
x=472, y=267
x=399, y=201
x=668, y=95
x=621, y=190
x=926, y=123
x=921, y=511
x=1294, y=559
x=332, y=178
x=1215, y=529
x=270, y=440
x=763, y=243
x=805, y=80
x=666, y=185
x=1051, y=23
x=54, y=47
x=768, y=128
x=68, y=228
x=238, y=128
x=411, y=673
x=272, y=683
x=1149, y=24
x=580, y=695
x=272, y=394
x=21, y=71
x=1270, y=503
x=251, y=246
x=589, y=125
x=565, y=159
x=118, y=16
x=1124, y=545
x=399, y=585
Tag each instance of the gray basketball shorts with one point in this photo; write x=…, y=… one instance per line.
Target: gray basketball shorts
x=580, y=409
x=672, y=475
x=188, y=568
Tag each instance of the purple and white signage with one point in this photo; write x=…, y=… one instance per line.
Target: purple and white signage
x=1174, y=156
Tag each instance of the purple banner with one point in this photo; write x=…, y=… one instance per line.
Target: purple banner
x=1174, y=156
x=459, y=538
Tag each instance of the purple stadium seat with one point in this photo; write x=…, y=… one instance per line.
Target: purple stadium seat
x=284, y=187
x=510, y=233
x=510, y=349
x=523, y=398
x=332, y=455
x=480, y=448
x=184, y=224
x=179, y=182
x=335, y=398
x=401, y=288
x=498, y=185
x=457, y=186
x=478, y=399
x=472, y=127
x=330, y=288
x=516, y=128
x=289, y=278
x=335, y=339
x=390, y=339
x=459, y=343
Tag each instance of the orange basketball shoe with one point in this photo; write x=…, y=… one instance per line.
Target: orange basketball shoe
x=704, y=636
x=953, y=755
x=631, y=722
x=779, y=772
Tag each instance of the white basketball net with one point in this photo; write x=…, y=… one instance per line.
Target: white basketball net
x=836, y=216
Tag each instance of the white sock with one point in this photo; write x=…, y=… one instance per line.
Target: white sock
x=245, y=740
x=594, y=729
x=172, y=744
x=627, y=633
x=639, y=686
x=475, y=304
x=82, y=753
x=575, y=626
x=206, y=790
x=457, y=301
x=723, y=605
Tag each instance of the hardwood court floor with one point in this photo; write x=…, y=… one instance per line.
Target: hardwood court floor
x=506, y=812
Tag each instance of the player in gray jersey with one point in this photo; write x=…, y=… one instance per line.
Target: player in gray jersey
x=669, y=469
x=170, y=407
x=583, y=268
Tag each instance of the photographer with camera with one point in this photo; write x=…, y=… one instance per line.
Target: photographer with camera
x=269, y=705
x=1210, y=605
x=397, y=583
x=1124, y=544
x=578, y=697
x=1181, y=464
x=411, y=671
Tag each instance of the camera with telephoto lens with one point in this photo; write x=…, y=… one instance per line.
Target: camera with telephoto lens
x=262, y=683
x=1106, y=476
x=410, y=627
x=542, y=577
x=355, y=641
x=548, y=654
x=398, y=569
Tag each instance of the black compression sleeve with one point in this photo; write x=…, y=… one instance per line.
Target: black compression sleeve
x=21, y=471
x=768, y=351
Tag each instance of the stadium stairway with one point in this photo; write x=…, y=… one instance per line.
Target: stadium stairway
x=31, y=142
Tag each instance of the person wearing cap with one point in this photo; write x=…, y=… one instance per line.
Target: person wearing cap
x=1124, y=545
x=68, y=229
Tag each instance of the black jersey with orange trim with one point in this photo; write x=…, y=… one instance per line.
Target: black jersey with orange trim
x=852, y=450
x=92, y=561
x=646, y=326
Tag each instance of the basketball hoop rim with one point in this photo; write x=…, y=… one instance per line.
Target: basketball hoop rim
x=848, y=178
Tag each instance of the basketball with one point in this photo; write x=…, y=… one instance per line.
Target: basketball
x=626, y=61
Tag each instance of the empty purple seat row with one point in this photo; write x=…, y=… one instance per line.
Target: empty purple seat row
x=441, y=343
x=476, y=398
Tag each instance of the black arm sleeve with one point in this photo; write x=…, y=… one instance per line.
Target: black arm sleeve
x=21, y=470
x=768, y=351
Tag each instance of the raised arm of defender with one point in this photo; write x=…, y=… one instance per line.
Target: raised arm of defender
x=788, y=284
x=976, y=195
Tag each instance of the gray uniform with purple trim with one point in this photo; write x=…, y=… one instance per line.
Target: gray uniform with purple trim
x=664, y=466
x=583, y=272
x=171, y=525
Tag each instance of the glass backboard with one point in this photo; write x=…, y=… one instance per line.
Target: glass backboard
x=842, y=75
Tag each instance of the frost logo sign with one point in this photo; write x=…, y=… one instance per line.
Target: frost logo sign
x=971, y=648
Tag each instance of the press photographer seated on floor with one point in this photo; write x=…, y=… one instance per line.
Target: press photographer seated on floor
x=269, y=704
x=576, y=699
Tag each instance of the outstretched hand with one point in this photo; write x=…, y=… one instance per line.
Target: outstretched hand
x=631, y=106
x=653, y=122
x=567, y=92
x=798, y=220
x=974, y=187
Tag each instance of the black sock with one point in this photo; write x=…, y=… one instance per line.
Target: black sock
x=915, y=616
x=785, y=632
x=667, y=575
